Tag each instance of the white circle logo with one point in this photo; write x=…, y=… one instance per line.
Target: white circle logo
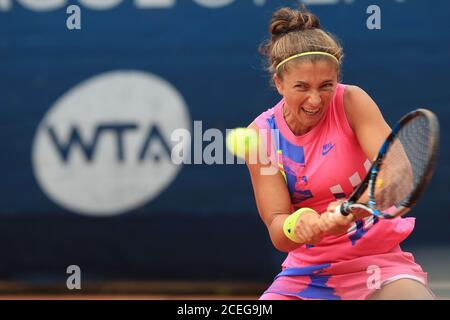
x=214, y=3
x=104, y=147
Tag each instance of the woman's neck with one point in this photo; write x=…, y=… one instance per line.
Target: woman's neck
x=294, y=125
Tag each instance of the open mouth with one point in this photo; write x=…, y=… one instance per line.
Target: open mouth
x=310, y=112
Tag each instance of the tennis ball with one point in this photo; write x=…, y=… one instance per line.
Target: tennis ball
x=242, y=141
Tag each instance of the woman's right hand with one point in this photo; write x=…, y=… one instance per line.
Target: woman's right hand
x=307, y=228
x=335, y=224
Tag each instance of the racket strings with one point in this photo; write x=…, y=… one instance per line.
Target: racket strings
x=416, y=141
x=404, y=165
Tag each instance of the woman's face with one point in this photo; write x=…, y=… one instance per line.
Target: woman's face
x=307, y=88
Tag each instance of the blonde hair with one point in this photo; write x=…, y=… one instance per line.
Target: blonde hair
x=294, y=32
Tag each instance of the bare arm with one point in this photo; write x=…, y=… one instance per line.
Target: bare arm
x=371, y=130
x=274, y=204
x=366, y=120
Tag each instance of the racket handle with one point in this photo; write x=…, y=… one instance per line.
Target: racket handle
x=343, y=209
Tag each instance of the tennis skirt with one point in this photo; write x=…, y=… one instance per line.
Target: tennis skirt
x=355, y=279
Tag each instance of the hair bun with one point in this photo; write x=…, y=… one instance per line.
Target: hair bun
x=286, y=20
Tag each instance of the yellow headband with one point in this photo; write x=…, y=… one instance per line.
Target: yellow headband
x=306, y=54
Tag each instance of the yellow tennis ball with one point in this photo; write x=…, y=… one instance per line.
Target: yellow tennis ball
x=242, y=141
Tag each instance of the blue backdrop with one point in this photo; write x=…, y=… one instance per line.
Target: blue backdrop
x=204, y=223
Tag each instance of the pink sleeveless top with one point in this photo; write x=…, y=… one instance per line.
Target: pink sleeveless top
x=324, y=165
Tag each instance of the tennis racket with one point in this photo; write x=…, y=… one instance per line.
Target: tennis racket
x=402, y=169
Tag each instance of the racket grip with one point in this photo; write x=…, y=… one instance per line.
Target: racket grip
x=343, y=209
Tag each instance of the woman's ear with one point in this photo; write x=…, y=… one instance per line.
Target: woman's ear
x=278, y=83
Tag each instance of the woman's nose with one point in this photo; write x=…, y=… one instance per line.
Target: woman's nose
x=314, y=99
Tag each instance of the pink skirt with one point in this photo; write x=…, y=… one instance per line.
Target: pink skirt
x=354, y=279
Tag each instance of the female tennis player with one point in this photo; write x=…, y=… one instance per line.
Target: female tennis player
x=320, y=138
